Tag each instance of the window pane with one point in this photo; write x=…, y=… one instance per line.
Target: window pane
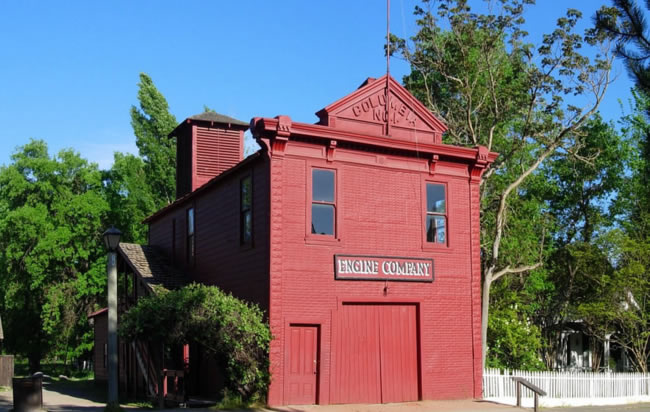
x=247, y=227
x=436, y=229
x=190, y=221
x=323, y=185
x=246, y=194
x=436, y=198
x=322, y=219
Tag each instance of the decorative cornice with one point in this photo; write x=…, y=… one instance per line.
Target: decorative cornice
x=283, y=127
x=432, y=164
x=331, y=149
x=481, y=162
x=269, y=128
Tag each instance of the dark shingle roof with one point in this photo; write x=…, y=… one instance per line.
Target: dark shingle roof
x=217, y=118
x=152, y=266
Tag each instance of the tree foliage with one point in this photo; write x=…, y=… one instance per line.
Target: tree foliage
x=152, y=122
x=477, y=72
x=223, y=325
x=627, y=309
x=137, y=186
x=50, y=251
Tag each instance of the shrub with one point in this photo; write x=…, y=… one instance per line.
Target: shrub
x=231, y=329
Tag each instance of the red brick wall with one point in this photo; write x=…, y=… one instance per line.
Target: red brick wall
x=380, y=211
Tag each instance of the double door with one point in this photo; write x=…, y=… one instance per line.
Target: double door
x=375, y=354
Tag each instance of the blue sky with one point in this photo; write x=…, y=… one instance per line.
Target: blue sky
x=69, y=69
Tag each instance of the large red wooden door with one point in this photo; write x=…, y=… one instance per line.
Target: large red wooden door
x=375, y=354
x=399, y=353
x=302, y=365
x=357, y=375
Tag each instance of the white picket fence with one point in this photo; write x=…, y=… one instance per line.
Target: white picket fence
x=568, y=388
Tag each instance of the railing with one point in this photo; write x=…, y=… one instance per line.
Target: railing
x=146, y=366
x=519, y=382
x=176, y=391
x=568, y=389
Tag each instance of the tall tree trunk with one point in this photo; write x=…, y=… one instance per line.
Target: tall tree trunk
x=485, y=307
x=34, y=360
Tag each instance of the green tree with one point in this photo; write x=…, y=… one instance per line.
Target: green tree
x=51, y=254
x=152, y=122
x=476, y=72
x=622, y=306
x=137, y=186
x=626, y=22
x=129, y=196
x=579, y=194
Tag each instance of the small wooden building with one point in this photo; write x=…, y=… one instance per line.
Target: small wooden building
x=358, y=235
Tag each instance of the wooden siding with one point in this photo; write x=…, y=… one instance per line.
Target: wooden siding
x=220, y=258
x=184, y=162
x=217, y=150
x=101, y=338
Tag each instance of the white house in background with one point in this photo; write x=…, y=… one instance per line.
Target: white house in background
x=576, y=353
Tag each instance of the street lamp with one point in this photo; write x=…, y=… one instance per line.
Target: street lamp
x=112, y=241
x=112, y=238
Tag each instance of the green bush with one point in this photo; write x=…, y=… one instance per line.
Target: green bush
x=231, y=329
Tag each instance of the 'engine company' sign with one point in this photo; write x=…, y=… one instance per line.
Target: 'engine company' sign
x=383, y=268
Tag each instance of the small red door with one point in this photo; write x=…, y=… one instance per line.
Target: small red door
x=302, y=365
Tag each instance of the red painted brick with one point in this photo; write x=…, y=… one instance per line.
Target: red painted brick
x=380, y=200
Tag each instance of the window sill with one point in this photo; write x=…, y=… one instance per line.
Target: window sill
x=311, y=239
x=436, y=247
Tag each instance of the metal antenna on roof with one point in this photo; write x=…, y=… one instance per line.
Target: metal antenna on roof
x=387, y=67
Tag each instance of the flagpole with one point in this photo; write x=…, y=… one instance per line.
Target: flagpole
x=387, y=67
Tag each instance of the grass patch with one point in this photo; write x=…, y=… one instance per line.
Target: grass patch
x=54, y=369
x=4, y=389
x=140, y=405
x=231, y=401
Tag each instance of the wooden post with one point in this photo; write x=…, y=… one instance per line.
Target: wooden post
x=518, y=391
x=162, y=381
x=6, y=370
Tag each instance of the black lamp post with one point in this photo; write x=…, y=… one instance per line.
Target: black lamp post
x=112, y=238
x=112, y=241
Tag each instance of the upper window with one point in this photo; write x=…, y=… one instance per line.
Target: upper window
x=436, y=216
x=191, y=250
x=323, y=202
x=246, y=210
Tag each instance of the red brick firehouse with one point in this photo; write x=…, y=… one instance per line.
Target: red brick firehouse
x=358, y=236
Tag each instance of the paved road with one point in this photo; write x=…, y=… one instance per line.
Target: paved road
x=637, y=407
x=67, y=399
x=57, y=399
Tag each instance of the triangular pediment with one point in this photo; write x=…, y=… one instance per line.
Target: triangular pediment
x=364, y=111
